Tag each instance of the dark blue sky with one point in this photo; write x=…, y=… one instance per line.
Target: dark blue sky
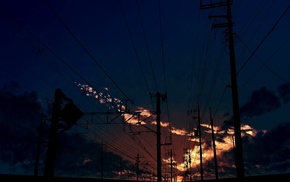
x=130, y=50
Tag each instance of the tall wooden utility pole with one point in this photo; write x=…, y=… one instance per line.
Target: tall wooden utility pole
x=171, y=165
x=39, y=143
x=158, y=112
x=69, y=114
x=235, y=99
x=102, y=160
x=200, y=144
x=137, y=167
x=53, y=135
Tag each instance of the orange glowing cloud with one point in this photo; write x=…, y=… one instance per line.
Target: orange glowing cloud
x=208, y=126
x=162, y=124
x=176, y=131
x=192, y=156
x=248, y=130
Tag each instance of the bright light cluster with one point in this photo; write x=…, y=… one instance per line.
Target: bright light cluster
x=103, y=98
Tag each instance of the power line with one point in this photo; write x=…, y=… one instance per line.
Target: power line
x=263, y=64
x=263, y=40
x=134, y=47
x=162, y=46
x=48, y=48
x=85, y=49
x=147, y=48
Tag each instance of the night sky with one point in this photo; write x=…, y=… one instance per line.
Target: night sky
x=113, y=57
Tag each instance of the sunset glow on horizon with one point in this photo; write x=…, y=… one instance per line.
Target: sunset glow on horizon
x=140, y=115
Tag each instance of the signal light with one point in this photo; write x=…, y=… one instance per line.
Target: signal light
x=70, y=114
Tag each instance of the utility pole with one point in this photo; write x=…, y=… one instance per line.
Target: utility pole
x=69, y=114
x=158, y=112
x=185, y=161
x=137, y=167
x=235, y=99
x=189, y=161
x=102, y=160
x=213, y=144
x=158, y=138
x=53, y=135
x=121, y=168
x=200, y=145
x=39, y=143
x=171, y=165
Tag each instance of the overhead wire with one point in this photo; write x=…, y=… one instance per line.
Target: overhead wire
x=122, y=143
x=263, y=40
x=257, y=12
x=53, y=53
x=110, y=140
x=162, y=56
x=200, y=92
x=102, y=134
x=26, y=39
x=252, y=18
x=67, y=28
x=260, y=8
x=46, y=46
x=206, y=135
x=134, y=47
x=263, y=64
x=164, y=73
x=84, y=48
x=211, y=88
x=42, y=54
x=205, y=65
x=169, y=142
x=194, y=59
x=207, y=97
x=146, y=44
x=147, y=47
x=162, y=45
x=189, y=126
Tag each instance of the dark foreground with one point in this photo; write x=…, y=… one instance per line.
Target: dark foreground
x=272, y=178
